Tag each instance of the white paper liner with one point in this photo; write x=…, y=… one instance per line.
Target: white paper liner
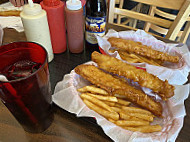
x=175, y=73
x=67, y=97
x=9, y=6
x=11, y=21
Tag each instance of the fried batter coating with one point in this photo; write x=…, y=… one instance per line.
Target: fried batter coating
x=143, y=50
x=115, y=85
x=145, y=79
x=10, y=13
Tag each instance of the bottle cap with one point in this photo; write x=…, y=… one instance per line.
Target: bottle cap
x=74, y=4
x=51, y=3
x=32, y=8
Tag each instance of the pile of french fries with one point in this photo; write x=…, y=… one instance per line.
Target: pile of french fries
x=118, y=110
x=133, y=58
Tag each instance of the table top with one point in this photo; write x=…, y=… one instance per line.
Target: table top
x=66, y=126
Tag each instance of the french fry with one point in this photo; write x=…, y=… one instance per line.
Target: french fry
x=130, y=60
x=92, y=89
x=101, y=111
x=149, y=61
x=97, y=102
x=133, y=58
x=111, y=51
x=136, y=110
x=131, y=123
x=110, y=103
x=111, y=120
x=125, y=56
x=141, y=116
x=128, y=117
x=118, y=105
x=105, y=98
x=120, y=96
x=123, y=102
x=145, y=129
x=116, y=109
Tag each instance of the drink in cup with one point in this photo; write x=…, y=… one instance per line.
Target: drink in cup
x=26, y=89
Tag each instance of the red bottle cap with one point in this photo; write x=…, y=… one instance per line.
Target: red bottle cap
x=51, y=2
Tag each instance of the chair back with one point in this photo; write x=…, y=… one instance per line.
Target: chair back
x=164, y=24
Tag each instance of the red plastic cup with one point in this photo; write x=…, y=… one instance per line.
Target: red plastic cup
x=27, y=92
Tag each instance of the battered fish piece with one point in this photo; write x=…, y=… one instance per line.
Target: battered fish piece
x=10, y=13
x=145, y=79
x=143, y=50
x=115, y=85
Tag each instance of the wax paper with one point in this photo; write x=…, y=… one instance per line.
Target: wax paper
x=67, y=97
x=175, y=73
x=11, y=21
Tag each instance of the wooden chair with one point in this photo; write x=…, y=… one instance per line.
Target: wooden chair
x=182, y=35
x=167, y=24
x=130, y=21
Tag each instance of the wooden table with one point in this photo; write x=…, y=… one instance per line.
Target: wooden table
x=66, y=127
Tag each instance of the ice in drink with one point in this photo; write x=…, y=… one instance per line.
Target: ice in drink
x=27, y=94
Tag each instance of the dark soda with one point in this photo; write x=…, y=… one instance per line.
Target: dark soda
x=95, y=23
x=27, y=92
x=20, y=69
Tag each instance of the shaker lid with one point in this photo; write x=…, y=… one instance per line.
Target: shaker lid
x=51, y=3
x=74, y=4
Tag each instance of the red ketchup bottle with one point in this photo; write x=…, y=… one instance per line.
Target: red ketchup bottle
x=75, y=25
x=56, y=21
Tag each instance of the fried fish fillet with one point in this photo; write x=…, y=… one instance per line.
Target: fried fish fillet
x=143, y=50
x=111, y=84
x=145, y=79
x=10, y=13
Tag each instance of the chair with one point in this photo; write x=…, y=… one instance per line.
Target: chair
x=166, y=24
x=131, y=22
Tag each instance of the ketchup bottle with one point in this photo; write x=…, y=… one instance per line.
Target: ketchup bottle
x=75, y=25
x=56, y=21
